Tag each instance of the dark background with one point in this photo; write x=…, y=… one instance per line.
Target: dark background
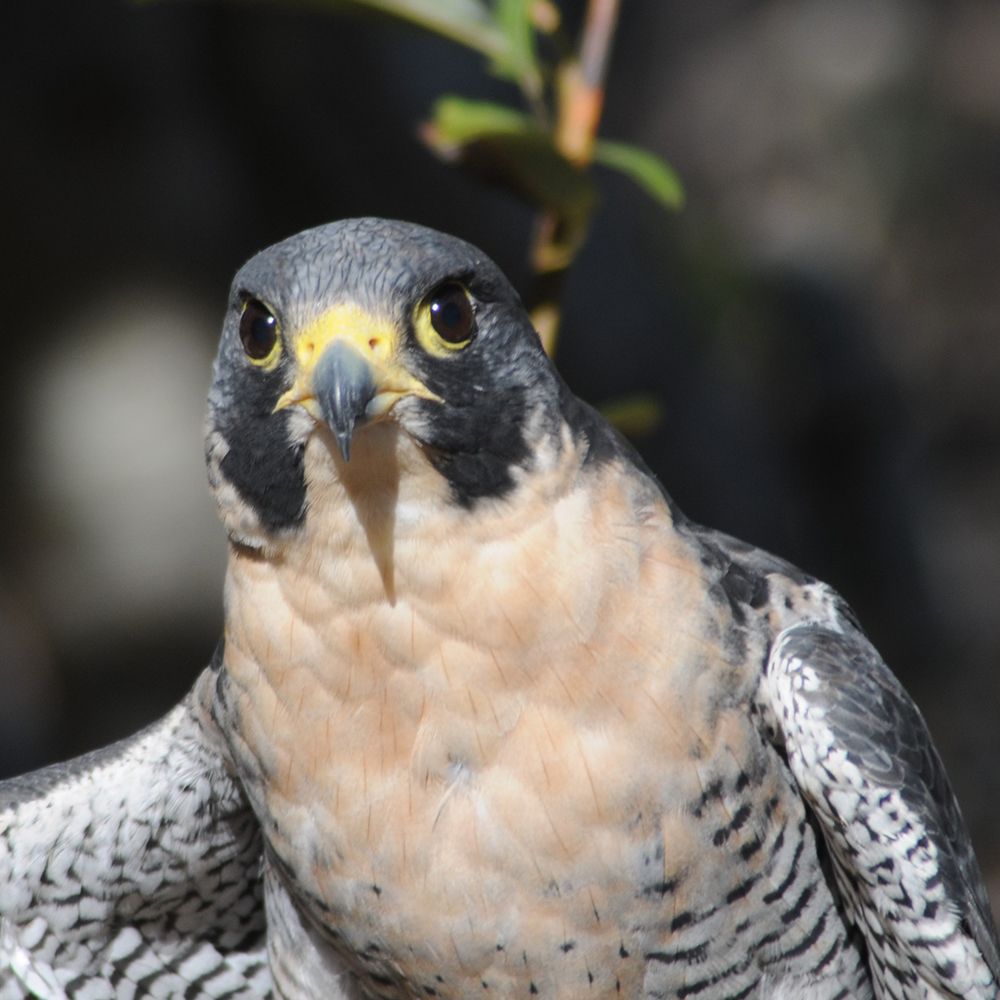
x=820, y=324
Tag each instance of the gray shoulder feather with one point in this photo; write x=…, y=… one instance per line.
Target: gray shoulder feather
x=864, y=760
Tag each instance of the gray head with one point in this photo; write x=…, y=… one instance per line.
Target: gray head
x=370, y=320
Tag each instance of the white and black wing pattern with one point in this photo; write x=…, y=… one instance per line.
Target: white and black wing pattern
x=134, y=871
x=863, y=759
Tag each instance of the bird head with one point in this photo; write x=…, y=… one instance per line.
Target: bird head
x=365, y=324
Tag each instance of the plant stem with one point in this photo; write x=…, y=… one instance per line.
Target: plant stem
x=579, y=103
x=584, y=97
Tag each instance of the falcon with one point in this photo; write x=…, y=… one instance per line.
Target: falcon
x=490, y=717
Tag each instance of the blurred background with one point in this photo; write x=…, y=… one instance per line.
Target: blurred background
x=820, y=324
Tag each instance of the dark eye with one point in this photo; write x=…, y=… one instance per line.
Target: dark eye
x=451, y=313
x=258, y=330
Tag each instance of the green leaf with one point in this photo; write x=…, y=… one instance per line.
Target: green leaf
x=469, y=22
x=457, y=121
x=506, y=147
x=520, y=61
x=501, y=30
x=635, y=414
x=656, y=177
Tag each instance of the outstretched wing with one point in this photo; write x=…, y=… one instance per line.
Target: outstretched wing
x=133, y=871
x=863, y=759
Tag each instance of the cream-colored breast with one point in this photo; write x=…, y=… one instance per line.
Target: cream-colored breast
x=465, y=725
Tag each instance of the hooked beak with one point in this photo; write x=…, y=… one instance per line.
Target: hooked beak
x=348, y=372
x=344, y=385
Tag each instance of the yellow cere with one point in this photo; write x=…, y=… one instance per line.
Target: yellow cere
x=374, y=337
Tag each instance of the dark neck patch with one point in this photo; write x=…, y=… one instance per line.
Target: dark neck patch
x=477, y=452
x=262, y=464
x=268, y=474
x=473, y=477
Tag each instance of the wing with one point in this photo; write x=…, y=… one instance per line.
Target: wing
x=132, y=871
x=863, y=759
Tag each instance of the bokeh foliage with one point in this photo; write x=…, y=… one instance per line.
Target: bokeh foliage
x=545, y=149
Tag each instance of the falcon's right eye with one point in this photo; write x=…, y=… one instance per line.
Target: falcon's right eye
x=258, y=332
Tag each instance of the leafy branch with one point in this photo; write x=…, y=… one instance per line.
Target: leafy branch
x=544, y=150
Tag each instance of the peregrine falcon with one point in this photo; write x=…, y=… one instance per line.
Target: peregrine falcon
x=490, y=717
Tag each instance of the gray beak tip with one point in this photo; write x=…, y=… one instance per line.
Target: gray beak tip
x=344, y=442
x=344, y=385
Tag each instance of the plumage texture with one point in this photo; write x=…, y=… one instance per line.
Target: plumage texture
x=130, y=872
x=491, y=716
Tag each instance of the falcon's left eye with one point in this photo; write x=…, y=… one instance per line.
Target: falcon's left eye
x=445, y=320
x=258, y=331
x=451, y=313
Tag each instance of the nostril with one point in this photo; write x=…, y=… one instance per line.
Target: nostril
x=373, y=342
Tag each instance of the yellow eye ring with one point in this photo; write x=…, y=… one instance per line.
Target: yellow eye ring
x=259, y=334
x=445, y=321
